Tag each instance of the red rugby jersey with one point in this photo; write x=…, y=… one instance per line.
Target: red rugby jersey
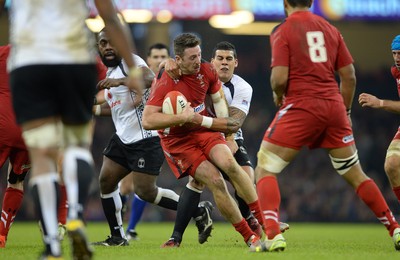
x=313, y=50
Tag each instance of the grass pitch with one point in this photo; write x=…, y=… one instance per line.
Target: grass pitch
x=305, y=241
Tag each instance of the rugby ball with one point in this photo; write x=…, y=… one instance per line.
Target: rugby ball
x=174, y=103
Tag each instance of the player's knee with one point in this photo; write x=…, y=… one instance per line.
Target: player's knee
x=47, y=135
x=107, y=183
x=270, y=162
x=343, y=165
x=392, y=165
x=15, y=179
x=217, y=183
x=78, y=135
x=146, y=192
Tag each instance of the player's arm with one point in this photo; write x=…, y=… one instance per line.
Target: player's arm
x=101, y=107
x=347, y=77
x=279, y=78
x=148, y=76
x=154, y=119
x=225, y=122
x=368, y=100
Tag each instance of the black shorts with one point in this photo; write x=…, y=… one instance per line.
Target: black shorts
x=241, y=156
x=144, y=156
x=41, y=91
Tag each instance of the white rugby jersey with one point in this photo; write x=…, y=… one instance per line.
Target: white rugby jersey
x=50, y=32
x=238, y=94
x=127, y=118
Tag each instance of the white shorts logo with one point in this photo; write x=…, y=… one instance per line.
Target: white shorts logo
x=348, y=139
x=141, y=163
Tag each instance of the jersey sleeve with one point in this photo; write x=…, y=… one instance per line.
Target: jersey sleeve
x=242, y=97
x=279, y=47
x=344, y=56
x=215, y=83
x=158, y=92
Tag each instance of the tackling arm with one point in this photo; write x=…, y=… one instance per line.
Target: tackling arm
x=225, y=121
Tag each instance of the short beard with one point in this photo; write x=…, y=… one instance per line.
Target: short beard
x=111, y=63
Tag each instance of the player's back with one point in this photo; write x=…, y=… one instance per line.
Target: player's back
x=50, y=32
x=315, y=51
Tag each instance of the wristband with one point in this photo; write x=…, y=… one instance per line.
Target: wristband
x=381, y=102
x=97, y=110
x=207, y=121
x=135, y=72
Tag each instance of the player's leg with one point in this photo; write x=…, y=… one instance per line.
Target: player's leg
x=147, y=190
x=188, y=207
x=137, y=208
x=125, y=188
x=77, y=84
x=19, y=166
x=392, y=166
x=62, y=210
x=111, y=174
x=42, y=143
x=346, y=163
x=35, y=103
x=221, y=156
x=268, y=167
x=209, y=175
x=243, y=159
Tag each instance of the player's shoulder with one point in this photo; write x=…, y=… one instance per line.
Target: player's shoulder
x=208, y=69
x=139, y=61
x=278, y=27
x=395, y=71
x=206, y=65
x=239, y=82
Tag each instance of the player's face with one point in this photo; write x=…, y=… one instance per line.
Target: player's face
x=224, y=63
x=396, y=58
x=190, y=62
x=108, y=53
x=155, y=58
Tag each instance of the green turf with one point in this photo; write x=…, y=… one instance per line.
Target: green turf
x=305, y=241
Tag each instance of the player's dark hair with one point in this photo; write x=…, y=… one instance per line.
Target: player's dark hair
x=158, y=46
x=225, y=46
x=184, y=41
x=300, y=3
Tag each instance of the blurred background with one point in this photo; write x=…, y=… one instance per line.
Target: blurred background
x=311, y=189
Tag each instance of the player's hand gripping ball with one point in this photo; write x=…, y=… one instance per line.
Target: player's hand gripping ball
x=174, y=103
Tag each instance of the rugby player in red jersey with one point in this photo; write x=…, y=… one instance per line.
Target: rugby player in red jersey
x=197, y=148
x=12, y=147
x=392, y=162
x=314, y=112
